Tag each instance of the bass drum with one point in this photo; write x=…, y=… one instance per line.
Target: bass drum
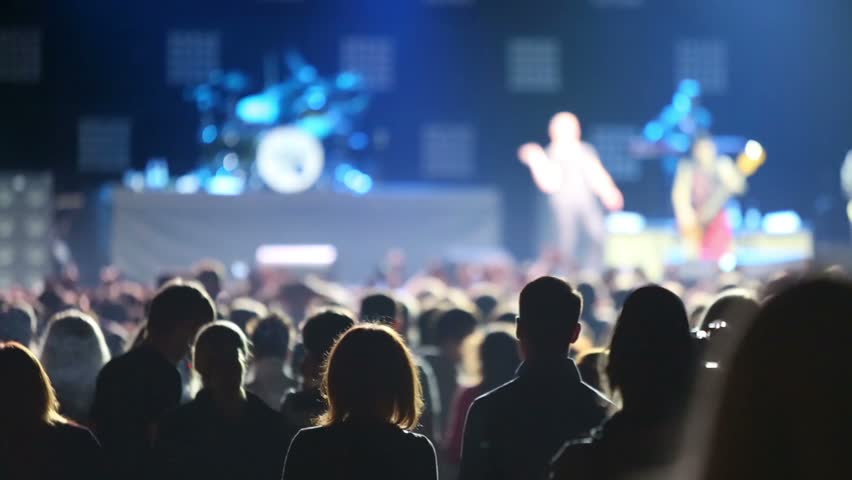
x=289, y=159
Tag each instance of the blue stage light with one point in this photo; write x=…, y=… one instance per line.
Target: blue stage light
x=654, y=131
x=359, y=141
x=341, y=171
x=360, y=183
x=681, y=103
x=670, y=116
x=679, y=142
x=347, y=81
x=225, y=185
x=689, y=87
x=262, y=108
x=315, y=98
x=306, y=74
x=209, y=134
x=319, y=126
x=156, y=174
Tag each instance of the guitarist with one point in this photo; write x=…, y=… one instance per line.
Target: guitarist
x=703, y=185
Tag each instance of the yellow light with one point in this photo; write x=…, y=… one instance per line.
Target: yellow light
x=849, y=210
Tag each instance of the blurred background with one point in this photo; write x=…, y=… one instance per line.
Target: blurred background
x=154, y=134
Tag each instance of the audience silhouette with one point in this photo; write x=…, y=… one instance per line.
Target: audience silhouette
x=134, y=390
x=650, y=366
x=374, y=399
x=225, y=432
x=319, y=333
x=270, y=337
x=36, y=442
x=512, y=432
x=499, y=359
x=73, y=353
x=781, y=409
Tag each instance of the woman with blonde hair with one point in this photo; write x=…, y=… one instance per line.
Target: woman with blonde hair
x=36, y=442
x=374, y=400
x=73, y=352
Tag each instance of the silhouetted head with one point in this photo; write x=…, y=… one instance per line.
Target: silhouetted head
x=210, y=274
x=319, y=333
x=724, y=320
x=18, y=324
x=28, y=400
x=564, y=126
x=74, y=348
x=371, y=376
x=549, y=318
x=650, y=357
x=176, y=313
x=452, y=327
x=220, y=356
x=782, y=416
x=245, y=309
x=270, y=337
x=378, y=308
x=590, y=364
x=499, y=358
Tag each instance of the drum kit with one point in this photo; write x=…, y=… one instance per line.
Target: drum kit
x=277, y=137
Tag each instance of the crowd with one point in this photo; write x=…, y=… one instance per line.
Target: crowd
x=470, y=372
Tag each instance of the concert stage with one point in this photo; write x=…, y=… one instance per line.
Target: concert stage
x=156, y=231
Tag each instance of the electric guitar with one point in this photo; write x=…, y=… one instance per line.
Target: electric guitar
x=747, y=164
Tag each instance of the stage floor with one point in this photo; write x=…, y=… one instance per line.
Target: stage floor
x=157, y=231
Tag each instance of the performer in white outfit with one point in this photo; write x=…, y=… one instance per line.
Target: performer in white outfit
x=570, y=172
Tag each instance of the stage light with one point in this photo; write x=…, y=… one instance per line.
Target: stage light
x=849, y=210
x=752, y=219
x=846, y=174
x=321, y=255
x=225, y=185
x=315, y=98
x=782, y=223
x=347, y=81
x=754, y=150
x=689, y=87
x=670, y=116
x=262, y=108
x=681, y=102
x=289, y=160
x=654, y=131
x=728, y=262
x=359, y=141
x=209, y=134
x=134, y=180
x=679, y=142
x=156, y=174
x=230, y=162
x=306, y=74
x=735, y=214
x=189, y=183
x=627, y=223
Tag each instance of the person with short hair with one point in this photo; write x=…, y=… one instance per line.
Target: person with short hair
x=18, y=323
x=374, y=400
x=513, y=431
x=319, y=333
x=381, y=308
x=135, y=389
x=270, y=337
x=225, y=432
x=36, y=442
x=73, y=352
x=651, y=364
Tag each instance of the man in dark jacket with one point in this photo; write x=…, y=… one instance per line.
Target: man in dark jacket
x=514, y=431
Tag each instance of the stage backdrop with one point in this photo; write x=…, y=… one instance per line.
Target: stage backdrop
x=153, y=232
